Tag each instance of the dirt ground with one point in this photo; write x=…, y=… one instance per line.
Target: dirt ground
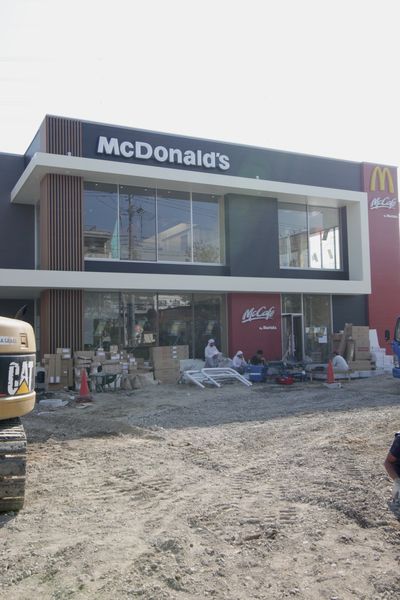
x=173, y=492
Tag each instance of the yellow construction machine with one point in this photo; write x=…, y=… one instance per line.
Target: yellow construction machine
x=17, y=398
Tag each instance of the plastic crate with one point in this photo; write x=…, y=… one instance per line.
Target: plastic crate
x=256, y=373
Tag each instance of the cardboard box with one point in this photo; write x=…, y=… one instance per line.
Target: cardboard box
x=86, y=354
x=161, y=352
x=360, y=365
x=52, y=364
x=167, y=375
x=112, y=369
x=166, y=363
x=67, y=371
x=65, y=352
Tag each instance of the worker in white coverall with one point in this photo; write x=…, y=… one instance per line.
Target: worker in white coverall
x=211, y=354
x=339, y=363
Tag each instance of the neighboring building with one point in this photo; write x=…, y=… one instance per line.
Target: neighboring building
x=137, y=238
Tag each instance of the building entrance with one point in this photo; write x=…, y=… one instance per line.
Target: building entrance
x=292, y=337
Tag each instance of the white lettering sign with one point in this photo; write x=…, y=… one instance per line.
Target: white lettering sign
x=19, y=374
x=255, y=314
x=145, y=151
x=7, y=340
x=386, y=202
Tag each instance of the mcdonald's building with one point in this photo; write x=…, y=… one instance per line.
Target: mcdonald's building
x=137, y=238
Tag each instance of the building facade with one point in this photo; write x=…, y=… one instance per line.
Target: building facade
x=116, y=236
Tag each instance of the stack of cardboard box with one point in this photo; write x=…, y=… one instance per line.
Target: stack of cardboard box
x=166, y=362
x=353, y=344
x=62, y=371
x=59, y=369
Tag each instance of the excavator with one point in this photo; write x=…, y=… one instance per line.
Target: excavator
x=17, y=398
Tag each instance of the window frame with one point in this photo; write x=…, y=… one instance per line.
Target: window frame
x=337, y=237
x=220, y=229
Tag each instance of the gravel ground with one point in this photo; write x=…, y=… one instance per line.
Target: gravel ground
x=172, y=492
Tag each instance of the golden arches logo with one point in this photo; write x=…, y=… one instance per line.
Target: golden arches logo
x=382, y=174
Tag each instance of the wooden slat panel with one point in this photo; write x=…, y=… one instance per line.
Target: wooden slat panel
x=62, y=312
x=61, y=221
x=63, y=136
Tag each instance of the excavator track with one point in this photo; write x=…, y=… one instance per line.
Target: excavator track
x=12, y=465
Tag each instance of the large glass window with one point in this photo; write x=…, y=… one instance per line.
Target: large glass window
x=317, y=323
x=293, y=246
x=208, y=321
x=146, y=224
x=137, y=214
x=137, y=321
x=309, y=237
x=101, y=231
x=291, y=303
x=175, y=320
x=324, y=238
x=174, y=228
x=102, y=323
x=206, y=228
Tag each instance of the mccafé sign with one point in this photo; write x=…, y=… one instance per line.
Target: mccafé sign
x=382, y=193
x=259, y=314
x=162, y=154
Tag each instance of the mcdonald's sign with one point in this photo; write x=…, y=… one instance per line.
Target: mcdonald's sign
x=385, y=179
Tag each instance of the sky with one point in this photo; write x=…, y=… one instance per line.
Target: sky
x=308, y=76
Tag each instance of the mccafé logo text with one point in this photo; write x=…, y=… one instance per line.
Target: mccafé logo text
x=162, y=154
x=256, y=314
x=385, y=202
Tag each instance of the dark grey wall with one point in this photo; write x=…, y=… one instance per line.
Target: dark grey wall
x=349, y=309
x=17, y=226
x=100, y=266
x=252, y=246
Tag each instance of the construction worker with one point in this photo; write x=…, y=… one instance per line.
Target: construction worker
x=239, y=363
x=339, y=363
x=392, y=466
x=211, y=354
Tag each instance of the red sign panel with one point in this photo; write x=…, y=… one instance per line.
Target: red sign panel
x=380, y=183
x=255, y=324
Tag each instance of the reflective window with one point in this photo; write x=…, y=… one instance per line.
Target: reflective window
x=208, y=322
x=206, y=228
x=101, y=232
x=293, y=236
x=324, y=238
x=291, y=303
x=137, y=214
x=137, y=321
x=119, y=319
x=175, y=320
x=309, y=237
x=102, y=323
x=317, y=324
x=174, y=226
x=145, y=224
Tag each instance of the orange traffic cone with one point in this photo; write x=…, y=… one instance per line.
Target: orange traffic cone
x=330, y=377
x=84, y=392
